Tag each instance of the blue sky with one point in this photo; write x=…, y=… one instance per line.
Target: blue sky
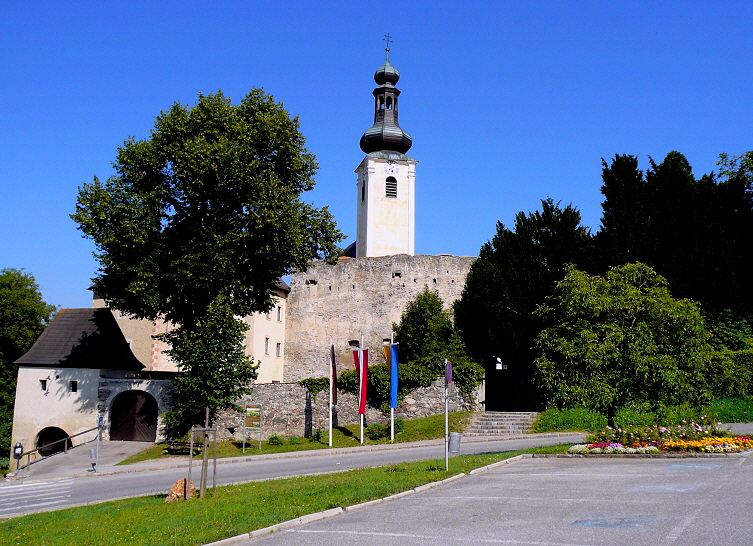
x=507, y=102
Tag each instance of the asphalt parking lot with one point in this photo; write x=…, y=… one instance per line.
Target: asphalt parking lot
x=559, y=501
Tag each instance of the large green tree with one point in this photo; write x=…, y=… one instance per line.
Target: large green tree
x=622, y=339
x=514, y=272
x=696, y=232
x=202, y=218
x=23, y=317
x=427, y=336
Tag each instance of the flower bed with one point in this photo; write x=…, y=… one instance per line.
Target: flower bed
x=703, y=437
x=725, y=444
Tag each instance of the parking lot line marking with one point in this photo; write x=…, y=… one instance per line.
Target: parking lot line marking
x=439, y=539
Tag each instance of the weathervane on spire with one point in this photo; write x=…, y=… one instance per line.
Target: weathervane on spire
x=387, y=38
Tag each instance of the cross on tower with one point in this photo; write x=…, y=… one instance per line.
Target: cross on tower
x=387, y=38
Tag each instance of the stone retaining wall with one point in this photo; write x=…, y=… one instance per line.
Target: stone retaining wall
x=288, y=409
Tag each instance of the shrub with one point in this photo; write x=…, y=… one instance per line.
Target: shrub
x=317, y=435
x=275, y=440
x=315, y=385
x=553, y=420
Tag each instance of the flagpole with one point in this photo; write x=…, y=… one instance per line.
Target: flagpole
x=331, y=389
x=360, y=391
x=446, y=422
x=392, y=410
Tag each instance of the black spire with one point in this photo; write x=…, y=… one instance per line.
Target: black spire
x=386, y=134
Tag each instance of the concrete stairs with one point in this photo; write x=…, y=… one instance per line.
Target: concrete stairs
x=500, y=423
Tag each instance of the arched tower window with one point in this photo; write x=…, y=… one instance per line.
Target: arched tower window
x=389, y=103
x=381, y=102
x=390, y=188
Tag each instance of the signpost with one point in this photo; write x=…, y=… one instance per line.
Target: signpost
x=252, y=422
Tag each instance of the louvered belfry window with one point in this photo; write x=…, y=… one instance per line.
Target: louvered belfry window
x=391, y=188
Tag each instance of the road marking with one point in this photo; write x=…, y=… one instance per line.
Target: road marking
x=31, y=497
x=654, y=488
x=542, y=499
x=438, y=539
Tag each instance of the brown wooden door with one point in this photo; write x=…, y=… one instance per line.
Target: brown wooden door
x=133, y=417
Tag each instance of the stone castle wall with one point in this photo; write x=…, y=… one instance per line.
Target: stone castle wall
x=359, y=297
x=288, y=409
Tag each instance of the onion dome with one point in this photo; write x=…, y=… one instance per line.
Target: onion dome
x=386, y=74
x=386, y=134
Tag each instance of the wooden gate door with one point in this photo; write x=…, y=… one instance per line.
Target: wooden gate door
x=133, y=417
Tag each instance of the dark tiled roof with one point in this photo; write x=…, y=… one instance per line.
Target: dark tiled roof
x=283, y=286
x=82, y=338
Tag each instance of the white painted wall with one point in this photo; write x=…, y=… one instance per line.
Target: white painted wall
x=386, y=226
x=55, y=406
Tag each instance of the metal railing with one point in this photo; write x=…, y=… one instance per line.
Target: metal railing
x=28, y=454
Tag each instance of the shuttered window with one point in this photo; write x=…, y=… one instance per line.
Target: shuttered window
x=391, y=188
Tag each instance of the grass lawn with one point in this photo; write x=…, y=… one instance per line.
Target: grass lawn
x=237, y=509
x=425, y=428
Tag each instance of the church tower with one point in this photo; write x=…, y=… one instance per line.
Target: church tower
x=386, y=176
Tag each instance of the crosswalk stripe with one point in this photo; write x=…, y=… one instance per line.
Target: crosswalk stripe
x=25, y=507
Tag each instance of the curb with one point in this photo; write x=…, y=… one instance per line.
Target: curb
x=303, y=453
x=353, y=508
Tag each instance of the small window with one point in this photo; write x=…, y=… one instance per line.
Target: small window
x=266, y=345
x=43, y=384
x=269, y=315
x=354, y=344
x=279, y=313
x=73, y=386
x=363, y=191
x=391, y=188
x=278, y=349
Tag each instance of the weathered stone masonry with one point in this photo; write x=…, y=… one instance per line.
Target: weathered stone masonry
x=290, y=410
x=355, y=297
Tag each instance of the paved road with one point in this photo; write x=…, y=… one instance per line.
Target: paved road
x=559, y=502
x=28, y=495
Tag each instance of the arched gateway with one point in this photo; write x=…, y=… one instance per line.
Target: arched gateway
x=133, y=417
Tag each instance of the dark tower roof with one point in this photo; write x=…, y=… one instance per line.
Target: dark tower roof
x=386, y=134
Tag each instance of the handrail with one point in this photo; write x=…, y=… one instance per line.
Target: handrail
x=27, y=454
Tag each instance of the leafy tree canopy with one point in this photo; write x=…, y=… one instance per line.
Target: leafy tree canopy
x=514, y=272
x=621, y=339
x=696, y=232
x=199, y=223
x=23, y=317
x=208, y=205
x=427, y=337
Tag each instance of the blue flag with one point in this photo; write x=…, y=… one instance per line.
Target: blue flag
x=393, y=375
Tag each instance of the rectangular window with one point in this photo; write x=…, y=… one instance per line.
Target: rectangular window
x=279, y=313
x=74, y=386
x=43, y=384
x=266, y=345
x=269, y=315
x=278, y=350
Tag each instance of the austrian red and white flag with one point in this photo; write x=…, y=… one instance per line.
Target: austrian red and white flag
x=361, y=360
